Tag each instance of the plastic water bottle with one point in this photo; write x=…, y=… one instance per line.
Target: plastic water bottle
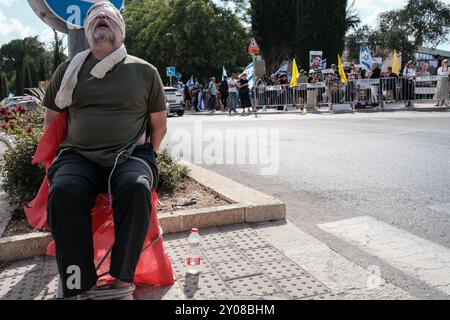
x=193, y=254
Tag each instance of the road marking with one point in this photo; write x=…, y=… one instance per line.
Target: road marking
x=338, y=273
x=421, y=258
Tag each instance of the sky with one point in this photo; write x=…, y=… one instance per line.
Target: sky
x=17, y=19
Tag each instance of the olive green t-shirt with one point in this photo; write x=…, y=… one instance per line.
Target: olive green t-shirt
x=109, y=115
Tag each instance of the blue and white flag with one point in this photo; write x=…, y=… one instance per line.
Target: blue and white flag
x=250, y=75
x=365, y=58
x=190, y=83
x=224, y=73
x=201, y=103
x=283, y=70
x=324, y=64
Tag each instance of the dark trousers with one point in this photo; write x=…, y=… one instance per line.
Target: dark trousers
x=212, y=103
x=75, y=183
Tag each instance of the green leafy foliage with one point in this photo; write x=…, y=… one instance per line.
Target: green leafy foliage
x=195, y=36
x=171, y=173
x=21, y=179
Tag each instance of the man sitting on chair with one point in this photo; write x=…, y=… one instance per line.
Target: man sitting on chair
x=116, y=114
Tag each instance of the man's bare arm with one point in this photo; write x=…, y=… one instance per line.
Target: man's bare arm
x=158, y=122
x=49, y=116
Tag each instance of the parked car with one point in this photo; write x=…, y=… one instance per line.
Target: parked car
x=30, y=103
x=174, y=100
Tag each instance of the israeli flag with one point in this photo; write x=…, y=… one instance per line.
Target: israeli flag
x=201, y=103
x=224, y=73
x=365, y=58
x=324, y=64
x=250, y=75
x=283, y=70
x=190, y=83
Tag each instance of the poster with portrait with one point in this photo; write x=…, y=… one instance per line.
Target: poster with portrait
x=426, y=68
x=315, y=60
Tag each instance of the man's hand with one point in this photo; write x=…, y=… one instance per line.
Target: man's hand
x=158, y=122
x=49, y=116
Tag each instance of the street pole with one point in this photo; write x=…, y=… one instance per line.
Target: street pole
x=77, y=41
x=255, y=81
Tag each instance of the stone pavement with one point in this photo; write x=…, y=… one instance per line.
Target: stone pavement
x=265, y=261
x=237, y=264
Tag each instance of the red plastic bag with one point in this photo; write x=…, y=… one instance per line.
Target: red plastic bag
x=154, y=267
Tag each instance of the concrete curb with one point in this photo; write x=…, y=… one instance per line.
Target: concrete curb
x=24, y=246
x=247, y=205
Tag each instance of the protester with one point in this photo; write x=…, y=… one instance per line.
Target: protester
x=409, y=74
x=187, y=98
x=212, y=89
x=233, y=95
x=311, y=94
x=116, y=111
x=443, y=86
x=244, y=93
x=224, y=92
x=391, y=85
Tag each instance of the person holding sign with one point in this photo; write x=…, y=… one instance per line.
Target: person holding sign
x=443, y=86
x=116, y=111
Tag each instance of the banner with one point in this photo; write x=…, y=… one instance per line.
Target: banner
x=315, y=60
x=427, y=67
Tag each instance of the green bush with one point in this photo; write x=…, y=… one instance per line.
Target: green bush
x=21, y=179
x=171, y=173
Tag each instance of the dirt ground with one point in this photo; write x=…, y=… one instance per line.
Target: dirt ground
x=187, y=196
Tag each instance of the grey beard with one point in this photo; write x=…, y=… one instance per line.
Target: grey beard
x=103, y=35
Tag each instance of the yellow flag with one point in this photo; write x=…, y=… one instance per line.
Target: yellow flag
x=395, y=66
x=341, y=71
x=295, y=74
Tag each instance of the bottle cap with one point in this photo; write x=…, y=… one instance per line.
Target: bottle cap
x=195, y=230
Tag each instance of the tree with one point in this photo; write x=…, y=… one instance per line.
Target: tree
x=3, y=86
x=321, y=26
x=57, y=50
x=195, y=36
x=274, y=25
x=420, y=22
x=14, y=54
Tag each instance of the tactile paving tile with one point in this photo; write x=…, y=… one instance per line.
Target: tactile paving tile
x=262, y=255
x=214, y=240
x=248, y=243
x=277, y=270
x=237, y=269
x=175, y=239
x=254, y=286
x=20, y=287
x=238, y=231
x=23, y=266
x=180, y=267
x=302, y=287
x=203, y=285
x=50, y=287
x=224, y=254
x=177, y=253
x=324, y=297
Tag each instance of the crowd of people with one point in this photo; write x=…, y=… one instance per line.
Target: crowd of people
x=227, y=96
x=234, y=92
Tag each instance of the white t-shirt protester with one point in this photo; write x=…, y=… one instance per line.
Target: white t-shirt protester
x=232, y=86
x=443, y=72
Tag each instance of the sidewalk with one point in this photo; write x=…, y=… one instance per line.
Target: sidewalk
x=265, y=261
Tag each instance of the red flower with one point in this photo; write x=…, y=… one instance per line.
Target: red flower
x=29, y=130
x=4, y=110
x=4, y=127
x=6, y=119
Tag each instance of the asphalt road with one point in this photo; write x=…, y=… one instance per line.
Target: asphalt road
x=393, y=167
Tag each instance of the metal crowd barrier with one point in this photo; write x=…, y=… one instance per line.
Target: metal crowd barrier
x=356, y=93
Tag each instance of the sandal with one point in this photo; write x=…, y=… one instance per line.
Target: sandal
x=107, y=292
